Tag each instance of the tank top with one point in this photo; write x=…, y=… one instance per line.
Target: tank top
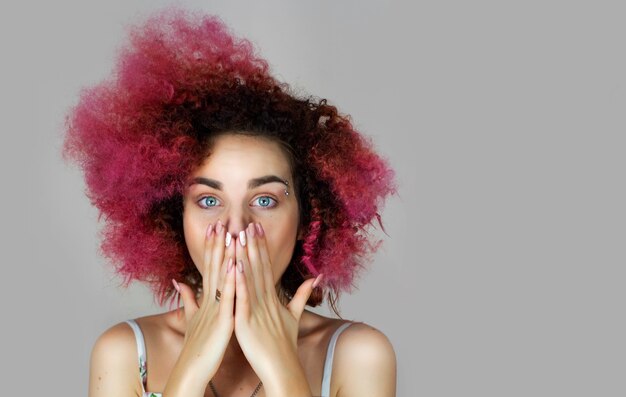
x=143, y=374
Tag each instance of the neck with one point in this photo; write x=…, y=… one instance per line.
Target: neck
x=233, y=354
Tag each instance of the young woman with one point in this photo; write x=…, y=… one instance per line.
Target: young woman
x=222, y=188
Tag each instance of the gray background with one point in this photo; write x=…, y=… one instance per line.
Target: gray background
x=503, y=271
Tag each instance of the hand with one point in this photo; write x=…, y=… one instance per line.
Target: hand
x=210, y=326
x=266, y=330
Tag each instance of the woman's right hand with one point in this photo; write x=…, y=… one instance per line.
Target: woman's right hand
x=210, y=324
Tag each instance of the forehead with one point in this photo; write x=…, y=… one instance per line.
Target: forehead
x=244, y=155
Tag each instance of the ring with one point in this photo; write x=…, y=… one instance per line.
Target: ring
x=218, y=294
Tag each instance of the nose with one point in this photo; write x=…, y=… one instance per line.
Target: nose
x=237, y=220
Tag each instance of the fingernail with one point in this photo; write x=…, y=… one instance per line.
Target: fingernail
x=218, y=228
x=317, y=280
x=209, y=230
x=176, y=285
x=242, y=238
x=251, y=230
x=259, y=228
x=230, y=265
x=228, y=238
x=240, y=266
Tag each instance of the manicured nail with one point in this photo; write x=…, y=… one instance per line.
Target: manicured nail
x=251, y=230
x=259, y=228
x=228, y=238
x=218, y=228
x=242, y=238
x=230, y=265
x=317, y=280
x=176, y=285
x=209, y=230
x=240, y=266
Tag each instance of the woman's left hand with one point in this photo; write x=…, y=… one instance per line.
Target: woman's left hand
x=267, y=330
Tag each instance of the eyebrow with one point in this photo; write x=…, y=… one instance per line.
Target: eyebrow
x=252, y=183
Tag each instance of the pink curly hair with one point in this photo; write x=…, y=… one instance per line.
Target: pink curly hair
x=182, y=80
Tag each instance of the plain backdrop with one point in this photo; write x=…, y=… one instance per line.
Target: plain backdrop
x=502, y=273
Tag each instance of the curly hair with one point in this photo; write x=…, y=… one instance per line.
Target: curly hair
x=182, y=79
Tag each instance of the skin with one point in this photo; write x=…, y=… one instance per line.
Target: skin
x=220, y=200
x=236, y=205
x=364, y=363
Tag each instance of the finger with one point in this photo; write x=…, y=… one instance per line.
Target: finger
x=227, y=301
x=209, y=241
x=255, y=261
x=216, y=259
x=241, y=291
x=242, y=257
x=297, y=304
x=189, y=300
x=229, y=255
x=268, y=272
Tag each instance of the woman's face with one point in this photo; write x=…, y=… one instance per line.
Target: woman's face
x=227, y=186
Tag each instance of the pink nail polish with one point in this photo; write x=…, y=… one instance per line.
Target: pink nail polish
x=240, y=266
x=259, y=228
x=176, y=285
x=209, y=230
x=242, y=238
x=230, y=265
x=251, y=230
x=218, y=228
x=317, y=280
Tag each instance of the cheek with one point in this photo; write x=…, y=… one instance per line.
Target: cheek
x=194, y=238
x=280, y=246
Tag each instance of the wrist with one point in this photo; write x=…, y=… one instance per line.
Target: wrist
x=288, y=383
x=181, y=384
x=188, y=379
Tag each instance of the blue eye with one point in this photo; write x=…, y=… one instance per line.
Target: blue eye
x=265, y=201
x=210, y=201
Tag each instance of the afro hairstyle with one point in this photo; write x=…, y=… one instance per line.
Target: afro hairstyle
x=181, y=79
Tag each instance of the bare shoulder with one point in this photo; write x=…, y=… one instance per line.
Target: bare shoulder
x=114, y=366
x=365, y=361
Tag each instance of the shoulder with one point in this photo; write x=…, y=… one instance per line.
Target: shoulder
x=365, y=362
x=117, y=341
x=114, y=364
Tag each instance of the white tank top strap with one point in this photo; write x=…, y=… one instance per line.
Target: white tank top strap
x=141, y=352
x=328, y=364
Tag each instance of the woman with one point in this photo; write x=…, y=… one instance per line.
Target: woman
x=222, y=188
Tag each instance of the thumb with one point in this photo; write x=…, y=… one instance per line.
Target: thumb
x=189, y=299
x=297, y=303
